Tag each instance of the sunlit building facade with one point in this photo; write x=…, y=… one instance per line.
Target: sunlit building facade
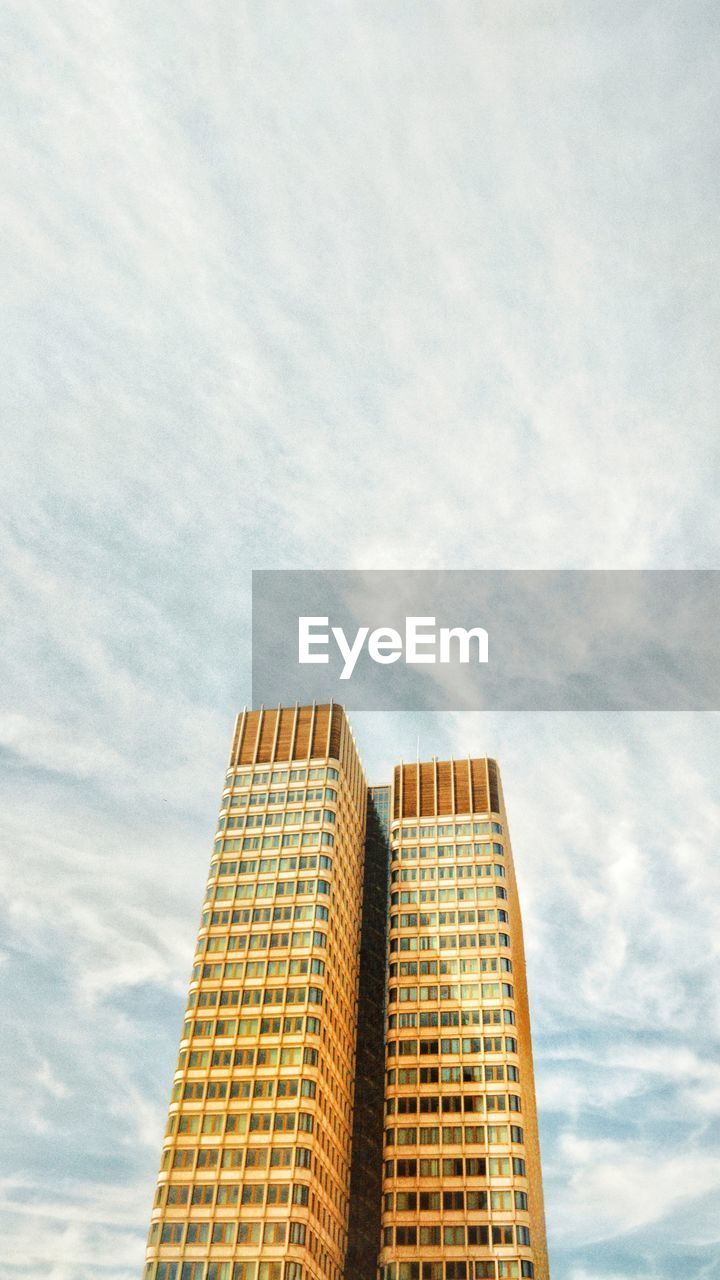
x=355, y=1068
x=255, y=1168
x=462, y=1187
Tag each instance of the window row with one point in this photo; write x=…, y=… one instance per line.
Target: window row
x=450, y=991
x=446, y=829
x=236, y=1122
x=431, y=968
x=473, y=1270
x=453, y=1235
x=450, y=1018
x=313, y=774
x=258, y=969
x=428, y=1019
x=454, y=1074
x=434, y=942
x=264, y=915
x=286, y=818
x=433, y=1104
x=448, y=1044
x=227, y=1194
x=451, y=1044
x=433, y=1135
x=465, y=915
x=454, y=1166
x=263, y=889
x=292, y=840
x=242, y=1193
x=254, y=996
x=309, y=795
x=483, y=849
x=190, y=1158
x=484, y=964
x=478, y=870
x=251, y=1027
x=294, y=1055
x=450, y=1201
x=228, y=1233
x=217, y=1090
x=468, y=894
x=248, y=866
x=224, y=1271
x=261, y=941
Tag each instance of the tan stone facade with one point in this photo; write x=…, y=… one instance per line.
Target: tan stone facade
x=255, y=1172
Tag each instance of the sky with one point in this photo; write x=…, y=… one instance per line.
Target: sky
x=348, y=285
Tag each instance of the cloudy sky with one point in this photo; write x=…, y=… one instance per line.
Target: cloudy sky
x=349, y=285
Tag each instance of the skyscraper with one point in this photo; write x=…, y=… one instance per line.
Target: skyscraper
x=462, y=1188
x=255, y=1169
x=342, y=1087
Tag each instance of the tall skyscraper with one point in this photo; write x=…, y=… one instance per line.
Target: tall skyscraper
x=255, y=1169
x=462, y=1188
x=354, y=1089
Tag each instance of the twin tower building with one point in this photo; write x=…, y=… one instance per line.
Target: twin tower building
x=354, y=1094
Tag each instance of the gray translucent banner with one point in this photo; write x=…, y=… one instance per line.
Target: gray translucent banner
x=566, y=640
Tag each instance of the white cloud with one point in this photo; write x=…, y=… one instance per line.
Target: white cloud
x=615, y=1187
x=47, y=1079
x=91, y=1227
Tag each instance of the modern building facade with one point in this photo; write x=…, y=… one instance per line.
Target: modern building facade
x=354, y=1090
x=462, y=1187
